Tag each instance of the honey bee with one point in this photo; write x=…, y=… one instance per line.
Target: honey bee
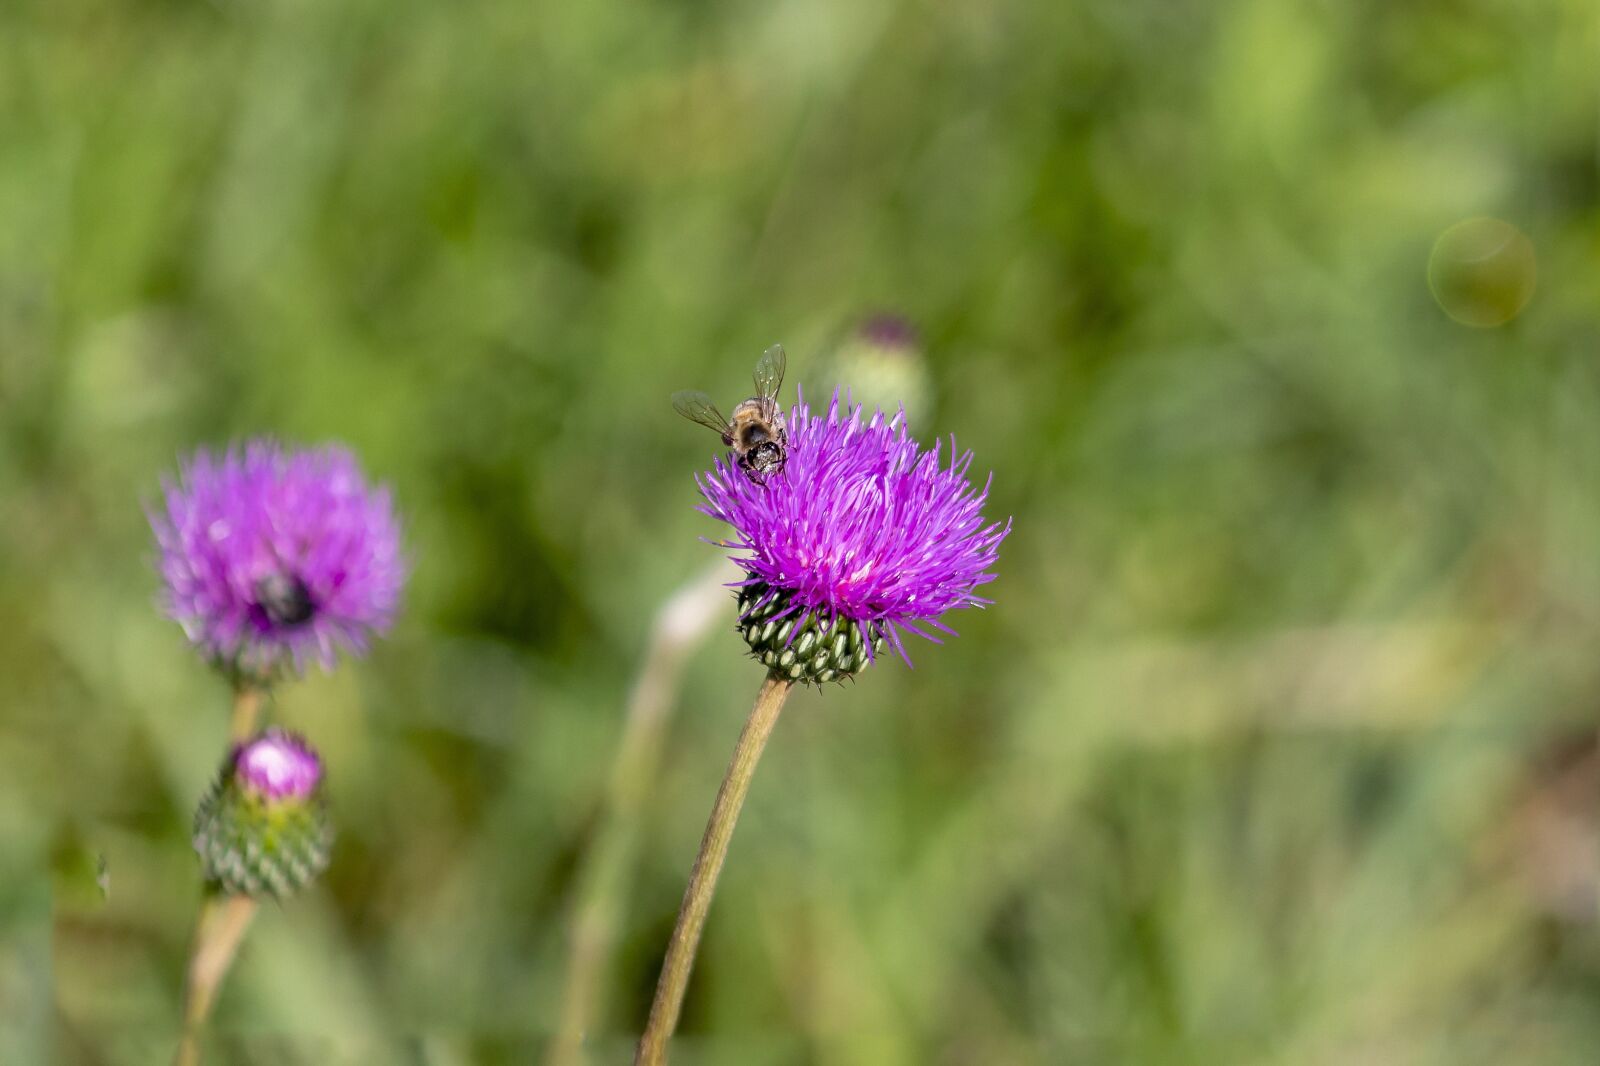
x=756, y=431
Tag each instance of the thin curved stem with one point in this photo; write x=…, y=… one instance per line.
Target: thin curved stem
x=680, y=625
x=674, y=981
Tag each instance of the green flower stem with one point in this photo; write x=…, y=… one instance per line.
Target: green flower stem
x=223, y=919
x=601, y=880
x=674, y=981
x=222, y=925
x=246, y=712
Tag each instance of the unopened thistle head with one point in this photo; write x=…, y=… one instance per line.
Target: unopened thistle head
x=273, y=557
x=882, y=360
x=262, y=829
x=861, y=537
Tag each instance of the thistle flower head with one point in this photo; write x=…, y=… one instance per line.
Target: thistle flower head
x=277, y=765
x=272, y=557
x=862, y=535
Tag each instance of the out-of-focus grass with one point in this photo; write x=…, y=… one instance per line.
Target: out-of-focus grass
x=1267, y=751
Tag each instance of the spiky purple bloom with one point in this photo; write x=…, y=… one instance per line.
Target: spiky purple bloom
x=277, y=765
x=861, y=526
x=272, y=557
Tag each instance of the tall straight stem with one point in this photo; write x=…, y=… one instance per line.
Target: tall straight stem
x=674, y=981
x=223, y=920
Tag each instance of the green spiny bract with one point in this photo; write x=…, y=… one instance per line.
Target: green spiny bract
x=808, y=650
x=257, y=845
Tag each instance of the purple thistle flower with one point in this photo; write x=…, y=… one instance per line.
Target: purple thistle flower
x=277, y=765
x=273, y=557
x=861, y=526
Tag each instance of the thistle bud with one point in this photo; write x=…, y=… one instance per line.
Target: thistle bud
x=882, y=363
x=263, y=829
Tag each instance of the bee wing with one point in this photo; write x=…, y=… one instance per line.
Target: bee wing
x=769, y=372
x=697, y=407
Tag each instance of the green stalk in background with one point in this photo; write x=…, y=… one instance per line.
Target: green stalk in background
x=680, y=626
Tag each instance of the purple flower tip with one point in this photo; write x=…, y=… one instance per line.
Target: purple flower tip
x=277, y=765
x=889, y=331
x=861, y=525
x=271, y=557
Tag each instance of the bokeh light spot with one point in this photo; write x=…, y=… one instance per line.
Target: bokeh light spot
x=1482, y=272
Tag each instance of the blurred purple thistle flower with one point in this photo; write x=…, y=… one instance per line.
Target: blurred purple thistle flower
x=861, y=526
x=277, y=765
x=273, y=557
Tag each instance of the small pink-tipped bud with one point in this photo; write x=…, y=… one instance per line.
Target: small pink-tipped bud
x=262, y=829
x=881, y=362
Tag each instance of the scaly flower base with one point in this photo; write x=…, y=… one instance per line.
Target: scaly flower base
x=804, y=650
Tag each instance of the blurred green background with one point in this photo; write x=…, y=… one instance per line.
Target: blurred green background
x=1278, y=743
